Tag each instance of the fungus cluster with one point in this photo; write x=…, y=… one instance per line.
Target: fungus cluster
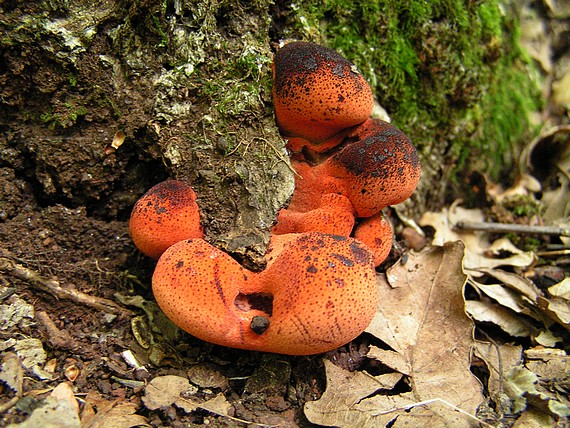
x=318, y=290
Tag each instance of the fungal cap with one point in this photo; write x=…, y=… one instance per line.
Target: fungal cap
x=318, y=294
x=381, y=168
x=164, y=215
x=317, y=93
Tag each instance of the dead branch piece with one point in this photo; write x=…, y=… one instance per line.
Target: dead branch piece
x=436, y=400
x=59, y=339
x=513, y=228
x=53, y=287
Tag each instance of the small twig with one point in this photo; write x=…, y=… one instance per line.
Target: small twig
x=554, y=253
x=54, y=288
x=58, y=338
x=431, y=401
x=513, y=228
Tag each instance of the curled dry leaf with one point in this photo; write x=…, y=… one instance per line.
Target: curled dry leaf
x=507, y=320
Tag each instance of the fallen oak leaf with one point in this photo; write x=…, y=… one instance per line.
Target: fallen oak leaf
x=422, y=317
x=164, y=391
x=345, y=389
x=351, y=400
x=117, y=415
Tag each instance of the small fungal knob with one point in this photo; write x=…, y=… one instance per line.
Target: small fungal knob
x=317, y=93
x=164, y=215
x=376, y=233
x=259, y=324
x=335, y=216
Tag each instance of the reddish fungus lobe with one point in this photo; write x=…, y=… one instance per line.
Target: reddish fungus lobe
x=164, y=215
x=379, y=168
x=376, y=233
x=210, y=300
x=317, y=93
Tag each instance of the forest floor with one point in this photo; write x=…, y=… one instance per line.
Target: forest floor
x=84, y=344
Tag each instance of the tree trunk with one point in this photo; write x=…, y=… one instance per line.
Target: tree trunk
x=188, y=83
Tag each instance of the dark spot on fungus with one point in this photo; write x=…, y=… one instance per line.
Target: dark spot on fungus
x=344, y=260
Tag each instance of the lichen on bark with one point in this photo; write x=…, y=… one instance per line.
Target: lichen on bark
x=188, y=82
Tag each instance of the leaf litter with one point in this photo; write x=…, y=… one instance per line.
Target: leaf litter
x=434, y=306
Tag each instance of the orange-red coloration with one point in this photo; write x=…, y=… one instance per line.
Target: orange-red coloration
x=317, y=94
x=323, y=290
x=335, y=215
x=376, y=233
x=380, y=168
x=164, y=215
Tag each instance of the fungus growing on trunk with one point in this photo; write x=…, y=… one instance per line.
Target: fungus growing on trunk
x=163, y=216
x=317, y=293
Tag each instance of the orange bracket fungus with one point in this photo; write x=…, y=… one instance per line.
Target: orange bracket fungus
x=163, y=216
x=318, y=290
x=317, y=294
x=317, y=94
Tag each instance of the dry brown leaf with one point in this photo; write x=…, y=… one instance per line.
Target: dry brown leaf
x=499, y=359
x=422, y=318
x=505, y=297
x=557, y=309
x=507, y=320
x=64, y=392
x=534, y=419
x=548, y=338
x=548, y=363
x=167, y=390
x=349, y=401
x=562, y=289
x=117, y=415
x=476, y=245
x=515, y=282
x=12, y=373
x=392, y=359
x=54, y=412
x=345, y=390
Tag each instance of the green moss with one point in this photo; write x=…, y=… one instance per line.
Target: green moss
x=64, y=116
x=443, y=69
